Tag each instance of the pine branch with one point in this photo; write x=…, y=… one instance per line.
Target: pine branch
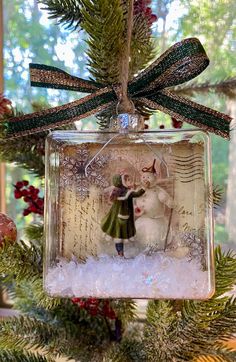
x=24, y=333
x=41, y=298
x=225, y=271
x=22, y=356
x=225, y=87
x=106, y=37
x=203, y=324
x=142, y=45
x=142, y=52
x=215, y=196
x=19, y=261
x=125, y=310
x=34, y=231
x=159, y=334
x=129, y=350
x=26, y=152
x=80, y=330
x=217, y=355
x=194, y=329
x=67, y=12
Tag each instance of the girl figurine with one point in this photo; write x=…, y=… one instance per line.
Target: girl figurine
x=118, y=224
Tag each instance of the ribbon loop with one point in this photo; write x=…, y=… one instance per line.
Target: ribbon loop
x=51, y=77
x=180, y=63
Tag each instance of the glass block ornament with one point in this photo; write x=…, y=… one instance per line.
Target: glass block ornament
x=129, y=213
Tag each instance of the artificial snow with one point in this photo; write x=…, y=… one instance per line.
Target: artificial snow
x=155, y=276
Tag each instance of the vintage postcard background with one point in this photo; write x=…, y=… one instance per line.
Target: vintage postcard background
x=175, y=200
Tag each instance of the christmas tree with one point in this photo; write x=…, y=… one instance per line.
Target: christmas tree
x=93, y=329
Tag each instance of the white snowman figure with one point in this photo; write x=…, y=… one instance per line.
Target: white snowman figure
x=152, y=223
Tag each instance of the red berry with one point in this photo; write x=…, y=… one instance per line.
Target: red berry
x=40, y=202
x=112, y=315
x=93, y=312
x=153, y=18
x=82, y=304
x=19, y=185
x=17, y=194
x=25, y=183
x=33, y=196
x=36, y=191
x=31, y=188
x=148, y=11
x=24, y=192
x=26, y=212
x=27, y=199
x=93, y=301
x=162, y=126
x=75, y=300
x=33, y=208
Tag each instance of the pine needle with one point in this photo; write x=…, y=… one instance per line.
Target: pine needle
x=67, y=12
x=22, y=356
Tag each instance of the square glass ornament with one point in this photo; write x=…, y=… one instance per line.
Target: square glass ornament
x=129, y=215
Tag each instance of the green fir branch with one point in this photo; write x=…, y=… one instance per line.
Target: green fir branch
x=217, y=355
x=22, y=356
x=160, y=339
x=194, y=328
x=106, y=37
x=225, y=272
x=142, y=46
x=41, y=298
x=125, y=310
x=20, y=261
x=26, y=333
x=34, y=231
x=67, y=12
x=28, y=151
x=129, y=350
x=217, y=196
x=24, y=153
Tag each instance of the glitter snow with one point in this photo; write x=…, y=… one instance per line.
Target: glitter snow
x=156, y=276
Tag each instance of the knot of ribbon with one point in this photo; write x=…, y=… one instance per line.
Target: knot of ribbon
x=180, y=63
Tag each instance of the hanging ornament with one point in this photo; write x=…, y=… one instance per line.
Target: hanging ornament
x=128, y=214
x=127, y=210
x=8, y=230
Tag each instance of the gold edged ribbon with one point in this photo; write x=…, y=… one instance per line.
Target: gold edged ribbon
x=180, y=63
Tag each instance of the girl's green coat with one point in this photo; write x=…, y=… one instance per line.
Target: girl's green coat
x=119, y=222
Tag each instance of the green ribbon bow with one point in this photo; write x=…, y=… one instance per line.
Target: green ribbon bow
x=180, y=63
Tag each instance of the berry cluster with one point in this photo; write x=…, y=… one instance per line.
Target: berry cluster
x=141, y=7
x=96, y=307
x=30, y=195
